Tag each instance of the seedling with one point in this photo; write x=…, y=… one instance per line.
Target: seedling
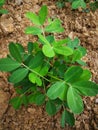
x=49, y=71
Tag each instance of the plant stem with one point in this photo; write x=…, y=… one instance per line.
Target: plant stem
x=54, y=77
x=35, y=72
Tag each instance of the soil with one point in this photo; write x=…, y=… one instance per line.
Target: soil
x=77, y=24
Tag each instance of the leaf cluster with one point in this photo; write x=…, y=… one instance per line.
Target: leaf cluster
x=49, y=71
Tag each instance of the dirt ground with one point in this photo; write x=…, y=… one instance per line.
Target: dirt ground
x=76, y=23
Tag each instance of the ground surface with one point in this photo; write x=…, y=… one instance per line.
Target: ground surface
x=76, y=23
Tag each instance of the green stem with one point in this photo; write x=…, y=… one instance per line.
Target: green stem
x=54, y=77
x=35, y=72
x=44, y=87
x=43, y=31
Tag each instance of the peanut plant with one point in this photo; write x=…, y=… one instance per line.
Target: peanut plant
x=49, y=71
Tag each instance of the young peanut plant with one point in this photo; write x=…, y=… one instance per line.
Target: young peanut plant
x=49, y=71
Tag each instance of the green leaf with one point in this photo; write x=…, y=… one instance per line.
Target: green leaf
x=33, y=30
x=56, y=90
x=43, y=39
x=44, y=70
x=32, y=77
x=2, y=2
x=33, y=17
x=67, y=117
x=60, y=42
x=7, y=64
x=73, y=73
x=63, y=50
x=74, y=101
x=62, y=122
x=94, y=5
x=24, y=100
x=43, y=14
x=48, y=51
x=14, y=51
x=83, y=50
x=38, y=81
x=73, y=43
x=37, y=60
x=78, y=3
x=63, y=95
x=50, y=38
x=35, y=79
x=81, y=62
x=18, y=75
x=86, y=75
x=87, y=88
x=40, y=99
x=16, y=102
x=20, y=48
x=3, y=11
x=30, y=47
x=54, y=27
x=32, y=97
x=77, y=55
x=50, y=108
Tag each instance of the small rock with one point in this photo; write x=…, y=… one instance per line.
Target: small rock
x=7, y=25
x=3, y=102
x=31, y=110
x=96, y=101
x=18, y=2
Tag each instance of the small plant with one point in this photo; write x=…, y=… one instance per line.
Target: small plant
x=2, y=11
x=79, y=3
x=49, y=71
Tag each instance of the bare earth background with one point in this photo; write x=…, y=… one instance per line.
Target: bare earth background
x=76, y=23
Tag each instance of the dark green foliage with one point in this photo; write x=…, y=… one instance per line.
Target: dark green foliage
x=49, y=71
